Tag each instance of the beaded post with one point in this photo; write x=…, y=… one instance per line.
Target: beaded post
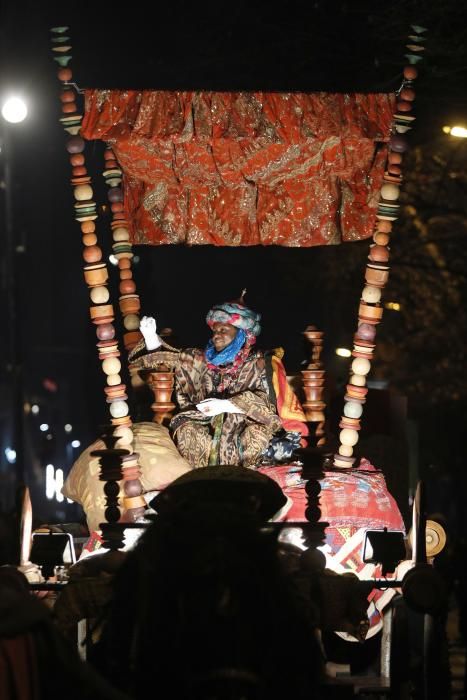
x=377, y=270
x=129, y=300
x=96, y=276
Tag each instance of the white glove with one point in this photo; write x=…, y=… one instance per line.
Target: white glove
x=213, y=407
x=147, y=326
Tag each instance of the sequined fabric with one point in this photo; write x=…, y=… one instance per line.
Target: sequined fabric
x=234, y=169
x=243, y=436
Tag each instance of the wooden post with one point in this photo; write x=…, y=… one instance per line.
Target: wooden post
x=313, y=385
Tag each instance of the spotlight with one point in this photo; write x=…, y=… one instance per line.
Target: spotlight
x=385, y=547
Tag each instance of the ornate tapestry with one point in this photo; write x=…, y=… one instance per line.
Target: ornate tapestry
x=242, y=168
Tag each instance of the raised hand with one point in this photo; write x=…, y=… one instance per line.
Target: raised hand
x=148, y=327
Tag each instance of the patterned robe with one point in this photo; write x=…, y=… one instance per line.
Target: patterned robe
x=230, y=438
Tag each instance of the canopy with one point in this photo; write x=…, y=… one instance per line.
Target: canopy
x=245, y=168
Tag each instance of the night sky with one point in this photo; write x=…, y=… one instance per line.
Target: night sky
x=303, y=46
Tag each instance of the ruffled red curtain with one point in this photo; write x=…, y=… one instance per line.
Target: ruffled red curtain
x=243, y=168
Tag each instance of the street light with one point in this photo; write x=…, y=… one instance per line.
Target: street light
x=14, y=110
x=459, y=132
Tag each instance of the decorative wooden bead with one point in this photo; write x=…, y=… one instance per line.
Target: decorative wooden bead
x=398, y=143
x=118, y=409
x=346, y=450
x=69, y=108
x=352, y=409
x=350, y=423
x=105, y=331
x=384, y=226
x=390, y=192
x=65, y=74
x=131, y=322
x=394, y=169
x=92, y=254
x=112, y=365
x=127, y=286
x=378, y=278
x=75, y=144
x=116, y=207
x=89, y=239
x=79, y=171
x=113, y=379
x=410, y=72
x=124, y=434
x=88, y=226
x=348, y=437
x=361, y=366
x=103, y=313
x=108, y=348
x=67, y=96
x=132, y=489
x=99, y=295
x=360, y=350
x=115, y=194
x=134, y=503
x=371, y=294
x=381, y=238
x=109, y=154
x=407, y=94
x=129, y=303
x=77, y=159
x=121, y=234
x=369, y=313
x=403, y=106
x=357, y=379
x=96, y=275
x=126, y=274
x=131, y=339
x=366, y=331
x=83, y=193
x=379, y=253
x=124, y=264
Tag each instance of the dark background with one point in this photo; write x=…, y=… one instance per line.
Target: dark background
x=303, y=46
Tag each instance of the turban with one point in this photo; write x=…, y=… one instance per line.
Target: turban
x=237, y=315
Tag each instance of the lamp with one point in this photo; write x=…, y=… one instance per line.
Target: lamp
x=459, y=132
x=14, y=110
x=385, y=547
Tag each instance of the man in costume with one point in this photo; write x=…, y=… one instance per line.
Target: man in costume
x=226, y=414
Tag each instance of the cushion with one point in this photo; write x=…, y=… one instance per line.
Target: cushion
x=159, y=460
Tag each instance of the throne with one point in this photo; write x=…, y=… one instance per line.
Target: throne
x=156, y=369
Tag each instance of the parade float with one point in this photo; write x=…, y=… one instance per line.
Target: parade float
x=243, y=169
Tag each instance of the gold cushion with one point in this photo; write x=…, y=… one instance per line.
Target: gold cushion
x=159, y=460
